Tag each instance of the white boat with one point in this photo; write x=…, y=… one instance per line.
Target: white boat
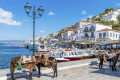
x=71, y=55
x=59, y=57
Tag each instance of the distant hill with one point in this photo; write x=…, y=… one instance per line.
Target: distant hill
x=11, y=43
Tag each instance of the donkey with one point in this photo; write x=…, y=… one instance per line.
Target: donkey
x=114, y=60
x=49, y=62
x=30, y=65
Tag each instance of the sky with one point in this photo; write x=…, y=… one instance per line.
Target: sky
x=16, y=25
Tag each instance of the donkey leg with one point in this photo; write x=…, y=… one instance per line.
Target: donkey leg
x=99, y=66
x=56, y=69
x=39, y=66
x=30, y=73
x=53, y=67
x=115, y=66
x=13, y=72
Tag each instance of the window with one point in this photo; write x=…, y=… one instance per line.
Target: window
x=92, y=35
x=113, y=34
x=119, y=35
x=110, y=34
x=92, y=28
x=100, y=35
x=86, y=35
x=104, y=35
x=116, y=35
x=86, y=29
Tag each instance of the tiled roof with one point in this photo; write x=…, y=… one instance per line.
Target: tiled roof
x=106, y=29
x=72, y=30
x=72, y=35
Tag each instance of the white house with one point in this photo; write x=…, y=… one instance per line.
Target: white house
x=90, y=31
x=111, y=16
x=108, y=34
x=80, y=24
x=68, y=33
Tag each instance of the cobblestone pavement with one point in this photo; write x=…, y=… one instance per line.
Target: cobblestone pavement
x=81, y=73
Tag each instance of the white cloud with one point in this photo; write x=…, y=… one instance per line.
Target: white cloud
x=84, y=12
x=90, y=16
x=85, y=18
x=42, y=31
x=6, y=18
x=51, y=13
x=118, y=4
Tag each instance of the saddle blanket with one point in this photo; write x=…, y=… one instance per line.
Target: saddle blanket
x=26, y=59
x=110, y=55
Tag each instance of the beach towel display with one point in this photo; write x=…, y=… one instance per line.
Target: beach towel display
x=19, y=66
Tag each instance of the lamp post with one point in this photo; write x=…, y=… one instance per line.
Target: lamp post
x=40, y=11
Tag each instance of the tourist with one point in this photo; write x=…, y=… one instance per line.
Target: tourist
x=110, y=54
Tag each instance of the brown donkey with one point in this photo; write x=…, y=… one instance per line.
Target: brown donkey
x=30, y=65
x=49, y=62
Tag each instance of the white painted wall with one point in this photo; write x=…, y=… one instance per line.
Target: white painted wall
x=108, y=35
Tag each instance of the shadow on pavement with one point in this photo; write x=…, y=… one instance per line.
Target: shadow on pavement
x=106, y=70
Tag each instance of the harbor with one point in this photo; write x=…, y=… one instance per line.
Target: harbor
x=59, y=40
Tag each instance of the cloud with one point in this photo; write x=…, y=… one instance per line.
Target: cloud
x=42, y=31
x=83, y=12
x=118, y=4
x=90, y=16
x=51, y=13
x=6, y=18
x=85, y=18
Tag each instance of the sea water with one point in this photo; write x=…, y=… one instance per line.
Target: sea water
x=9, y=50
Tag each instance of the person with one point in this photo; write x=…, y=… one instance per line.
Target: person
x=110, y=53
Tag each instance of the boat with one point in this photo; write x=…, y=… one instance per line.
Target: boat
x=58, y=55
x=71, y=55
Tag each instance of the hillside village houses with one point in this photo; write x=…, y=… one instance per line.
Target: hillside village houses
x=89, y=35
x=111, y=16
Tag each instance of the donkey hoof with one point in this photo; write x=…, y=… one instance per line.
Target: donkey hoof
x=12, y=78
x=38, y=76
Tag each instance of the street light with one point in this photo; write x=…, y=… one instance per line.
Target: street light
x=40, y=11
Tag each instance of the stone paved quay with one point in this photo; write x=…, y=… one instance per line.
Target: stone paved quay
x=85, y=72
x=81, y=73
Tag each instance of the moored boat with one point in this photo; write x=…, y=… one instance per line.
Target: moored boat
x=72, y=56
x=59, y=57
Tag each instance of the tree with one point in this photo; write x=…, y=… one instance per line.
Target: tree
x=100, y=15
x=118, y=18
x=108, y=10
x=88, y=19
x=40, y=39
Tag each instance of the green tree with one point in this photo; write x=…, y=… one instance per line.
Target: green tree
x=100, y=15
x=88, y=19
x=40, y=39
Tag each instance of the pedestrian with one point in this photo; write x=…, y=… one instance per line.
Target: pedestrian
x=110, y=54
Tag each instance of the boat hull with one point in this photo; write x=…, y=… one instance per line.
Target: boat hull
x=72, y=58
x=62, y=61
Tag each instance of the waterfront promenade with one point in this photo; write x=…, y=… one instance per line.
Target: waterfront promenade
x=82, y=73
x=74, y=70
